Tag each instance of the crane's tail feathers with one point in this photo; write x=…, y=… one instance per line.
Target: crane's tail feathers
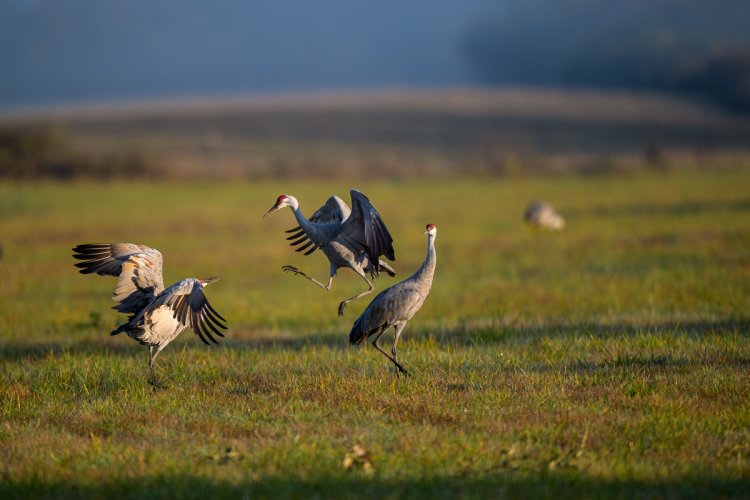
x=358, y=333
x=119, y=329
x=125, y=327
x=387, y=268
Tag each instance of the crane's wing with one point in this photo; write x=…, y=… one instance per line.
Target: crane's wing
x=137, y=267
x=191, y=308
x=366, y=231
x=333, y=211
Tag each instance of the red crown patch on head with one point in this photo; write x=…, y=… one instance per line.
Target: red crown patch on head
x=280, y=199
x=430, y=227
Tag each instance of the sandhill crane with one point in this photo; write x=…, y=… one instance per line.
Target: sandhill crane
x=353, y=238
x=395, y=306
x=157, y=316
x=540, y=214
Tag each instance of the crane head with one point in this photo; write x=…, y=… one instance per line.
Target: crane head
x=281, y=202
x=205, y=282
x=430, y=229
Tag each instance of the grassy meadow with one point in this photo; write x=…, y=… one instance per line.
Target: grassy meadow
x=608, y=360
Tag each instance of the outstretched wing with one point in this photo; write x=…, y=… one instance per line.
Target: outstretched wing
x=191, y=308
x=334, y=211
x=137, y=267
x=366, y=231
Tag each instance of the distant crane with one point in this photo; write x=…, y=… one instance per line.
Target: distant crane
x=157, y=316
x=395, y=306
x=355, y=238
x=540, y=214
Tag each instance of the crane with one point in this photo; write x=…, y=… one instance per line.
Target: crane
x=395, y=306
x=540, y=214
x=355, y=238
x=157, y=315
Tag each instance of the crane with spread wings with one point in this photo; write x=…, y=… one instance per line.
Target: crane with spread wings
x=156, y=315
x=355, y=238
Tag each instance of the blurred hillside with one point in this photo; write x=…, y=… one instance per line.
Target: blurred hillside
x=402, y=134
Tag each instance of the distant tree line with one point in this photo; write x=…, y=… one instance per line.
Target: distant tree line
x=700, y=48
x=44, y=151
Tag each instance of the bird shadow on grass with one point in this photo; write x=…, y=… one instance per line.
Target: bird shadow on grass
x=483, y=334
x=461, y=336
x=492, y=484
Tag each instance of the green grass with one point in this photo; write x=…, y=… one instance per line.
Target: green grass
x=611, y=359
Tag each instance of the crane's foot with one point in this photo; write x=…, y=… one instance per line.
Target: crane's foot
x=342, y=306
x=292, y=269
x=156, y=384
x=400, y=369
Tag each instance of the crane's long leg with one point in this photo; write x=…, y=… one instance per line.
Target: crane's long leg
x=294, y=270
x=399, y=327
x=369, y=290
x=377, y=346
x=151, y=360
x=151, y=380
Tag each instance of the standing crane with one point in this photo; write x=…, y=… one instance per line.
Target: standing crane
x=540, y=214
x=157, y=315
x=355, y=238
x=395, y=306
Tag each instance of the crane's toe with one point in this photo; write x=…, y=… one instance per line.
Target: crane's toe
x=156, y=384
x=290, y=269
x=342, y=306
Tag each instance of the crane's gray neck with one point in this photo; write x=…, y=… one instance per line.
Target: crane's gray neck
x=306, y=225
x=425, y=273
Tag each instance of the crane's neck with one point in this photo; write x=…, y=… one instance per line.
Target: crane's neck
x=425, y=273
x=305, y=224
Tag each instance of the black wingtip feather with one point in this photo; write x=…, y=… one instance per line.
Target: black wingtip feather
x=200, y=336
x=214, y=319
x=295, y=235
x=304, y=247
x=210, y=307
x=198, y=322
x=207, y=321
x=300, y=240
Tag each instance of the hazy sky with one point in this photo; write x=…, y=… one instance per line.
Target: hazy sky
x=75, y=50
x=58, y=50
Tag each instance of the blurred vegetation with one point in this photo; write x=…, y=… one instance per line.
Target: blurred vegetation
x=722, y=76
x=379, y=135
x=46, y=152
x=699, y=48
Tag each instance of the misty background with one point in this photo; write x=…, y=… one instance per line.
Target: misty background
x=63, y=51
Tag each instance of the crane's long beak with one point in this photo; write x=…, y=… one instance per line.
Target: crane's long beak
x=271, y=210
x=211, y=279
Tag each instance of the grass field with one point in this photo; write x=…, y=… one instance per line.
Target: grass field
x=608, y=360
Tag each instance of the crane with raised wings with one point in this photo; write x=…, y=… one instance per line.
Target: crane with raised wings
x=355, y=238
x=156, y=315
